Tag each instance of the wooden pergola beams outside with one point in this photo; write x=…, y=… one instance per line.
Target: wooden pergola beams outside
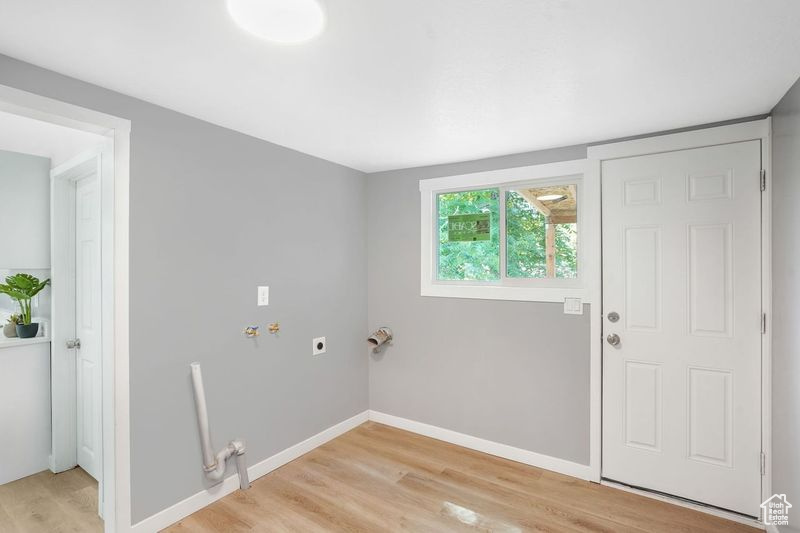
x=563, y=210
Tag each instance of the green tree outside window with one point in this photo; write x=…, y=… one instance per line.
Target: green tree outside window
x=525, y=239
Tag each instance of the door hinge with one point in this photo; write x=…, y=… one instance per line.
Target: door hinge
x=763, y=179
x=763, y=323
x=763, y=464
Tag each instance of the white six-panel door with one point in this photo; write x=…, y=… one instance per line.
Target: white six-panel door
x=87, y=327
x=681, y=269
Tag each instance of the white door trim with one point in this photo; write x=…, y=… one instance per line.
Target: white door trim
x=62, y=253
x=64, y=390
x=63, y=448
x=115, y=281
x=745, y=131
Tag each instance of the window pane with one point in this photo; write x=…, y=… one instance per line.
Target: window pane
x=542, y=232
x=469, y=235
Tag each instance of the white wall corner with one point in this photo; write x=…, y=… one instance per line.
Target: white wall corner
x=505, y=451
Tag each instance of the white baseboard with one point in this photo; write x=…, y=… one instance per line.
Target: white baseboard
x=204, y=498
x=505, y=451
x=772, y=528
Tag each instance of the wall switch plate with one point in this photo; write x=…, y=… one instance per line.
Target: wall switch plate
x=573, y=306
x=319, y=346
x=263, y=296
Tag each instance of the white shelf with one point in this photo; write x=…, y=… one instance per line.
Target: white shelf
x=6, y=342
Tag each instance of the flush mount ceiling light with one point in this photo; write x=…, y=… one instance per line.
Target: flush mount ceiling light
x=550, y=197
x=280, y=21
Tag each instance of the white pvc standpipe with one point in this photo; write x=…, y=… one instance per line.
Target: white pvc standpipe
x=214, y=464
x=209, y=461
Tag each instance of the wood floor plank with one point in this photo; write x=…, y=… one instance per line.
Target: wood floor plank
x=6, y=522
x=533, y=505
x=265, y=513
x=316, y=507
x=626, y=507
x=50, y=503
x=219, y=517
x=408, y=512
x=444, y=454
x=378, y=478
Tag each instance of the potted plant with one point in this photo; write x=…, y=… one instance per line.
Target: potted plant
x=22, y=288
x=10, y=329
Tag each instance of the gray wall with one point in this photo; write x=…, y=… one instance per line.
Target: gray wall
x=24, y=204
x=511, y=372
x=786, y=290
x=214, y=213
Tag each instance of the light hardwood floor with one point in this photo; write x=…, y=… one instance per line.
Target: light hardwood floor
x=376, y=478
x=50, y=503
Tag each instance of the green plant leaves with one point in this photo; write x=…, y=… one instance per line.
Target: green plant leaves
x=22, y=288
x=15, y=294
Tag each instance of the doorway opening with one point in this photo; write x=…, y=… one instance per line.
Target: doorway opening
x=64, y=175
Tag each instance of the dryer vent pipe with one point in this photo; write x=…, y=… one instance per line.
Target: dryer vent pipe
x=380, y=338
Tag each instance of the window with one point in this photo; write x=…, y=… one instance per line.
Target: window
x=510, y=234
x=469, y=235
x=542, y=232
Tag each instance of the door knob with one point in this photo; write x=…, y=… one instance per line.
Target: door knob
x=74, y=343
x=613, y=339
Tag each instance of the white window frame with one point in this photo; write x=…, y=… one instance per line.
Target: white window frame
x=534, y=289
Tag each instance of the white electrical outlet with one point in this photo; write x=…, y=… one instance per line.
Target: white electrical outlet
x=319, y=346
x=263, y=296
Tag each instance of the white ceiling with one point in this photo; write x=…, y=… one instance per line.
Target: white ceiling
x=35, y=137
x=401, y=83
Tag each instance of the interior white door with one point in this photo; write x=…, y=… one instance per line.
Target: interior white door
x=681, y=269
x=88, y=317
